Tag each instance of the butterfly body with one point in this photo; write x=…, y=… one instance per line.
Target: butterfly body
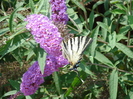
x=74, y=47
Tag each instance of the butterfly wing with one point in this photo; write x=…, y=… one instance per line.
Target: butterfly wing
x=74, y=47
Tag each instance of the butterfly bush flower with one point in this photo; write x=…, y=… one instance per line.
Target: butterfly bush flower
x=33, y=77
x=53, y=63
x=15, y=95
x=45, y=33
x=31, y=80
x=48, y=36
x=59, y=11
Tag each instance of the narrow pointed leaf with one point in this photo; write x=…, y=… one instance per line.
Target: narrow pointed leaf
x=41, y=4
x=41, y=59
x=10, y=93
x=31, y=4
x=11, y=20
x=112, y=39
x=79, y=5
x=113, y=84
x=103, y=25
x=13, y=44
x=125, y=50
x=4, y=31
x=3, y=18
x=91, y=19
x=57, y=82
x=103, y=59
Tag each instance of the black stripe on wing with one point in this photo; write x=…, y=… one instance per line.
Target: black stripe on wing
x=83, y=42
x=74, y=47
x=88, y=41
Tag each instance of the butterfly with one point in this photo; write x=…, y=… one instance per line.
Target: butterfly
x=73, y=49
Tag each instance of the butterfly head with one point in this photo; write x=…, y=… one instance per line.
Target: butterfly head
x=75, y=66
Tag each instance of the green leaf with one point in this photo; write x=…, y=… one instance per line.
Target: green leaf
x=18, y=56
x=124, y=30
x=21, y=17
x=43, y=6
x=75, y=20
x=91, y=19
x=86, y=69
x=131, y=93
x=69, y=91
x=113, y=84
x=13, y=44
x=124, y=20
x=97, y=4
x=103, y=25
x=30, y=54
x=125, y=49
x=28, y=97
x=19, y=4
x=104, y=31
x=118, y=11
x=46, y=8
x=120, y=37
x=57, y=82
x=20, y=31
x=76, y=82
x=130, y=20
x=121, y=6
x=11, y=20
x=10, y=93
x=3, y=18
x=106, y=4
x=31, y=4
x=41, y=59
x=104, y=60
x=94, y=42
x=112, y=39
x=79, y=5
x=4, y=31
x=15, y=84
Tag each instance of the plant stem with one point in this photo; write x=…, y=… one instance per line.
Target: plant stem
x=110, y=67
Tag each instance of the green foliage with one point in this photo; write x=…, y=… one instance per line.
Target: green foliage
x=113, y=84
x=106, y=66
x=41, y=58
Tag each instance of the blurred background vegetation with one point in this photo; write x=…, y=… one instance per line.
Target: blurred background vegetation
x=106, y=66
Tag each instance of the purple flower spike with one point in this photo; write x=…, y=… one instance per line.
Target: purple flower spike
x=59, y=11
x=45, y=33
x=31, y=80
x=53, y=63
x=33, y=77
x=15, y=95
